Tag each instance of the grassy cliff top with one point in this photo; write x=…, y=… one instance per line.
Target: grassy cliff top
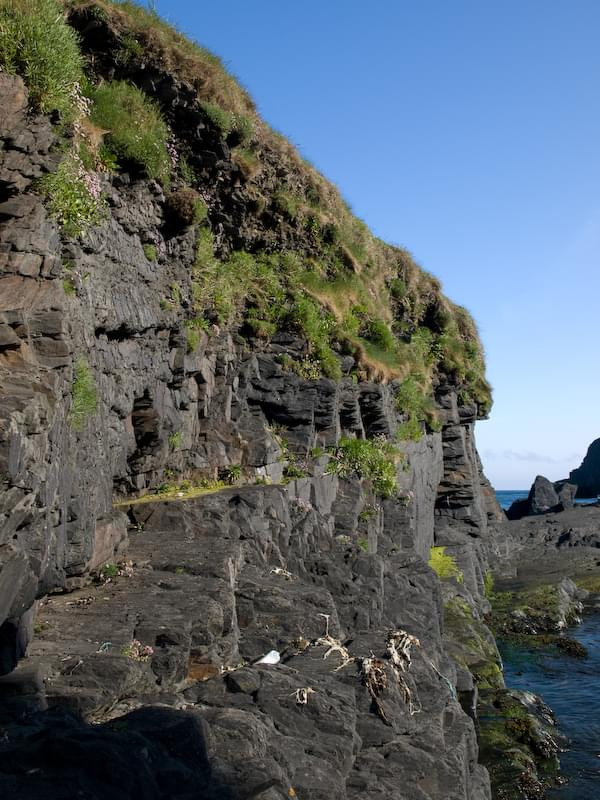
x=308, y=261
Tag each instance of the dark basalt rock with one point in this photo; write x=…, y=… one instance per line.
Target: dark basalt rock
x=587, y=475
x=544, y=497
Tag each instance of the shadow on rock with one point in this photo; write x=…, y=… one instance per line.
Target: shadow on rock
x=150, y=753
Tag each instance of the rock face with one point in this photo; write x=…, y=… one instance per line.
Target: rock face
x=587, y=476
x=332, y=576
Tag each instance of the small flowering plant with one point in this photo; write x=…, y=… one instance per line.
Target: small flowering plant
x=73, y=192
x=137, y=651
x=74, y=195
x=109, y=572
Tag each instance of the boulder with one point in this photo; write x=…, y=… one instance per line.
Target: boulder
x=542, y=496
x=566, y=494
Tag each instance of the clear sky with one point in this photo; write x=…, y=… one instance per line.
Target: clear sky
x=468, y=132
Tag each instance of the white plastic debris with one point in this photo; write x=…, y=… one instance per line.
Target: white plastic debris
x=272, y=657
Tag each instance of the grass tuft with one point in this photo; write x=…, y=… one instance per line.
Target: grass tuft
x=136, y=130
x=37, y=43
x=73, y=196
x=84, y=395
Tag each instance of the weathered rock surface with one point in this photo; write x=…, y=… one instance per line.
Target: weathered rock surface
x=216, y=583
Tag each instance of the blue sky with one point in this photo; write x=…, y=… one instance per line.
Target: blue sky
x=468, y=132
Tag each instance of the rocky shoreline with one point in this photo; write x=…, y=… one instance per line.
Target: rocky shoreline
x=206, y=588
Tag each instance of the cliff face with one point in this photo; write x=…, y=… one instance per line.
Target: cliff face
x=103, y=399
x=587, y=476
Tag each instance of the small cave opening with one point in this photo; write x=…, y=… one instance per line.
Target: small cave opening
x=146, y=425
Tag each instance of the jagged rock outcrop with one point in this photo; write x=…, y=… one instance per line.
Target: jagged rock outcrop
x=587, y=475
x=544, y=497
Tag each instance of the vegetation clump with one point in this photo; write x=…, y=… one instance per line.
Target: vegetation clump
x=73, y=195
x=187, y=206
x=38, y=44
x=84, y=395
x=444, y=565
x=229, y=123
x=374, y=459
x=136, y=130
x=417, y=406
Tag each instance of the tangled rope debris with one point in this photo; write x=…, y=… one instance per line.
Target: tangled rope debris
x=333, y=645
x=302, y=694
x=374, y=671
x=375, y=679
x=284, y=573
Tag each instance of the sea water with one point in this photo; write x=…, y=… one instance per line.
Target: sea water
x=571, y=687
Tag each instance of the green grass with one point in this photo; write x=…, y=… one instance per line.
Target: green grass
x=84, y=395
x=150, y=252
x=286, y=203
x=176, y=440
x=69, y=287
x=232, y=474
x=380, y=335
x=374, y=459
x=169, y=492
x=443, y=565
x=136, y=129
x=36, y=43
x=417, y=405
x=229, y=123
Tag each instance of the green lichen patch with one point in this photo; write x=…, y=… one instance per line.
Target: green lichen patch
x=533, y=610
x=517, y=744
x=591, y=583
x=444, y=565
x=469, y=642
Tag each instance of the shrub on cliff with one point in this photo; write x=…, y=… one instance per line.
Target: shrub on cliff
x=374, y=459
x=136, y=129
x=36, y=43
